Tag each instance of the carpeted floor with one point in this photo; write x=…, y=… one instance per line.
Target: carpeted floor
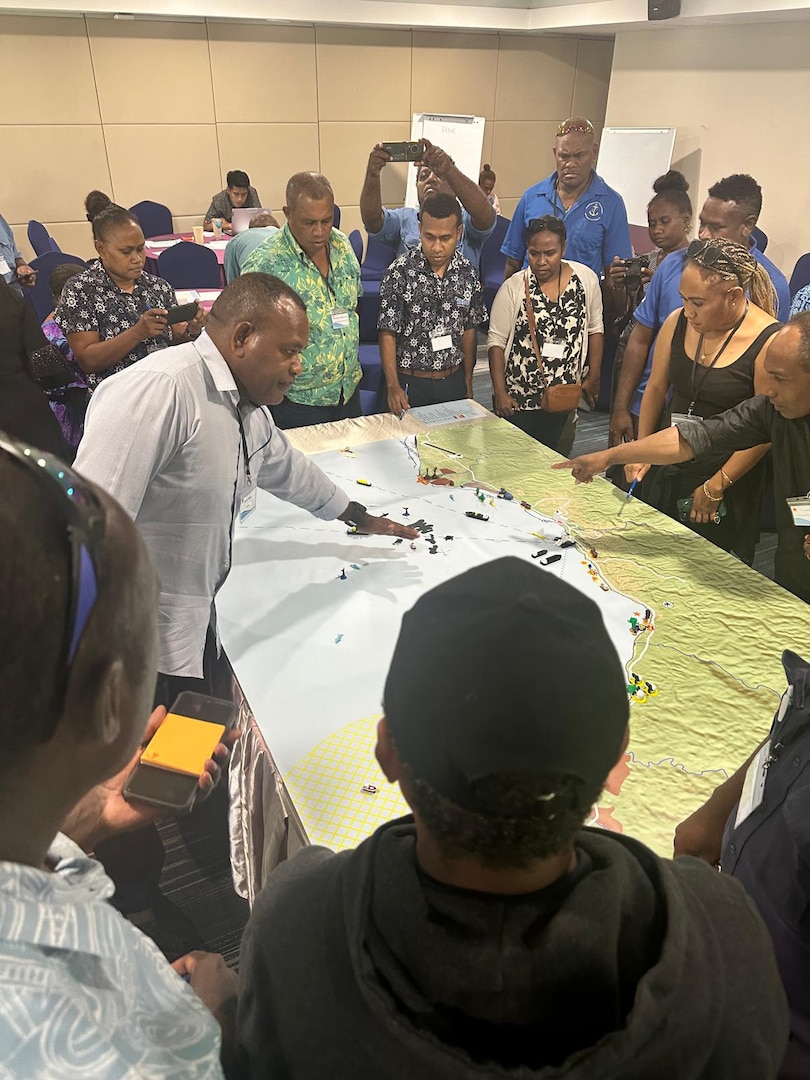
x=197, y=876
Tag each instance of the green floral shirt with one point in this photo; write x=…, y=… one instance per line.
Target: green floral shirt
x=331, y=360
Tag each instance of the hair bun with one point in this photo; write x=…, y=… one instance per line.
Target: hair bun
x=671, y=181
x=487, y=168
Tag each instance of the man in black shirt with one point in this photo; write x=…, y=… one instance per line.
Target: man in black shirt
x=780, y=416
x=489, y=934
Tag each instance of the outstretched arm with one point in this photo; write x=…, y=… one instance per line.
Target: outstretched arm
x=469, y=194
x=371, y=208
x=666, y=447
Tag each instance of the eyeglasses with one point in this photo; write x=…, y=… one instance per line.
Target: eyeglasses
x=83, y=515
x=711, y=255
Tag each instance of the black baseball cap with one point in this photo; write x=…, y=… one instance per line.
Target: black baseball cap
x=505, y=668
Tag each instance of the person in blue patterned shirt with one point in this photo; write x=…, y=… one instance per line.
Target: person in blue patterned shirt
x=82, y=991
x=801, y=301
x=431, y=305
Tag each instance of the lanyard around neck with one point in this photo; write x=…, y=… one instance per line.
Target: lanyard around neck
x=244, y=441
x=696, y=364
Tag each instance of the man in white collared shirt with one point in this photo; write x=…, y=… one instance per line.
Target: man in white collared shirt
x=183, y=439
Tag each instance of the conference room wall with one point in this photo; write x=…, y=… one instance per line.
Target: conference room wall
x=161, y=109
x=738, y=95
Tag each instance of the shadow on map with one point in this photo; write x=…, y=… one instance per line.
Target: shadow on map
x=381, y=579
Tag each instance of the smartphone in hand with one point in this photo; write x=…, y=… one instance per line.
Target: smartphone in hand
x=169, y=770
x=181, y=313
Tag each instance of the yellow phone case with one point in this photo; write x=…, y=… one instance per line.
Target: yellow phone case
x=182, y=744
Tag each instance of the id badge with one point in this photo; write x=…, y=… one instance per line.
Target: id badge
x=800, y=511
x=4, y=267
x=247, y=505
x=753, y=790
x=683, y=418
x=440, y=340
x=553, y=350
x=340, y=318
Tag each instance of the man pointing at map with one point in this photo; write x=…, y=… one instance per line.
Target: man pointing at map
x=183, y=445
x=780, y=416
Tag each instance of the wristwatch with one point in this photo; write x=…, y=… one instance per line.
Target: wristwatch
x=355, y=510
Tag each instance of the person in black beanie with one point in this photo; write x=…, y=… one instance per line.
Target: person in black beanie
x=489, y=934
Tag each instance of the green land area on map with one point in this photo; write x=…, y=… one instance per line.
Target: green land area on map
x=719, y=628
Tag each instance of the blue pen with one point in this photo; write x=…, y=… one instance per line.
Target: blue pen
x=631, y=490
x=406, y=394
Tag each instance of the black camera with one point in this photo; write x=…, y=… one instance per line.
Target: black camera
x=405, y=151
x=632, y=276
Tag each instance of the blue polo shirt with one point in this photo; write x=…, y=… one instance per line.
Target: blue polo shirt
x=401, y=230
x=8, y=250
x=596, y=224
x=663, y=297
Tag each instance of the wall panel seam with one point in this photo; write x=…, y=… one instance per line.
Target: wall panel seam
x=317, y=100
x=213, y=96
x=98, y=105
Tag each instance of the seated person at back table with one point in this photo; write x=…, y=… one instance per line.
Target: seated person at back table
x=236, y=196
x=436, y=172
x=82, y=991
x=430, y=307
x=13, y=267
x=490, y=934
x=262, y=226
x=113, y=314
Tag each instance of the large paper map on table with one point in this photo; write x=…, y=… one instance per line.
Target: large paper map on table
x=310, y=615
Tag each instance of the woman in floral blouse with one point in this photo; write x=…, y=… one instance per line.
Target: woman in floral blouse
x=559, y=342
x=114, y=314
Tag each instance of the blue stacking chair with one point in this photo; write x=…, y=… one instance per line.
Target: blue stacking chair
x=190, y=266
x=368, y=310
x=371, y=383
x=378, y=258
x=38, y=295
x=801, y=274
x=356, y=240
x=336, y=216
x=39, y=238
x=760, y=239
x=153, y=217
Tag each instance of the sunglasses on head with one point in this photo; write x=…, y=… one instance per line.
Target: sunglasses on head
x=577, y=128
x=83, y=517
x=712, y=255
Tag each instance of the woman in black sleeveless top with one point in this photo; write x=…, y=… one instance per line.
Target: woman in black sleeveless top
x=708, y=357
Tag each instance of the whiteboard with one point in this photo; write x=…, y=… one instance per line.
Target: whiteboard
x=630, y=159
x=462, y=137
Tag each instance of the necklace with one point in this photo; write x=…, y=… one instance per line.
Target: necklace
x=707, y=368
